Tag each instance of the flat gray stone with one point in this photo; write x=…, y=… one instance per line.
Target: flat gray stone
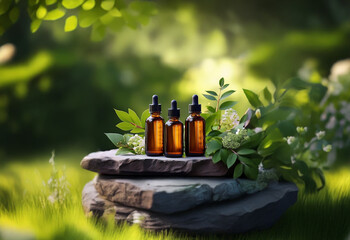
x=172, y=194
x=106, y=162
x=251, y=212
x=93, y=203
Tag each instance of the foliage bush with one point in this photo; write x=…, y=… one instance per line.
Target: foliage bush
x=100, y=15
x=267, y=137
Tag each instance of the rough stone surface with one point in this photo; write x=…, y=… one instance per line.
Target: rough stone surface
x=106, y=162
x=170, y=195
x=251, y=212
x=93, y=202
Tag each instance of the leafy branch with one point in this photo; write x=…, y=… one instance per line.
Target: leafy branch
x=129, y=143
x=100, y=15
x=131, y=122
x=267, y=136
x=214, y=113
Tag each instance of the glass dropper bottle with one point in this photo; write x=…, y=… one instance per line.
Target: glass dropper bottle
x=154, y=129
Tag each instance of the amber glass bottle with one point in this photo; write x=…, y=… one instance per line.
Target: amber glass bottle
x=195, y=130
x=173, y=133
x=154, y=130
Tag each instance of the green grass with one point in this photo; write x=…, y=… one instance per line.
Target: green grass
x=25, y=210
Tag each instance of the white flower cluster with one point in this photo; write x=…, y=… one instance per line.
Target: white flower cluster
x=137, y=143
x=290, y=140
x=58, y=184
x=229, y=119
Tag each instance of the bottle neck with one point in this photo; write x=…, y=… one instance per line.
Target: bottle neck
x=174, y=118
x=195, y=114
x=155, y=114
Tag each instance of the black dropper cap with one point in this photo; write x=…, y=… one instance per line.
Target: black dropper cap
x=174, y=111
x=155, y=107
x=194, y=107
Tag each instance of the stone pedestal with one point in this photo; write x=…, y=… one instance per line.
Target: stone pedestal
x=161, y=193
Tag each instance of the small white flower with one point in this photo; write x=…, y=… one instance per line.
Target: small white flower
x=52, y=159
x=320, y=134
x=301, y=130
x=258, y=129
x=52, y=198
x=137, y=143
x=290, y=140
x=327, y=148
x=229, y=119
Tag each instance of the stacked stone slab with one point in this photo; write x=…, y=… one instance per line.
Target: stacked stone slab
x=189, y=194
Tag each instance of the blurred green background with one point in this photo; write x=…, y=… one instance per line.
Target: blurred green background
x=59, y=89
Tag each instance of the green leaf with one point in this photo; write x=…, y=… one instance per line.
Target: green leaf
x=50, y=2
x=238, y=171
x=224, y=153
x=210, y=97
x=54, y=14
x=98, y=32
x=137, y=130
x=87, y=18
x=213, y=146
x=14, y=14
x=35, y=24
x=144, y=117
x=107, y=4
x=4, y=6
x=115, y=12
x=134, y=117
x=212, y=93
x=225, y=86
x=125, y=126
x=123, y=150
x=214, y=133
x=227, y=105
x=270, y=143
x=209, y=122
x=231, y=160
x=41, y=12
x=226, y=94
x=211, y=109
x=71, y=4
x=267, y=94
x=217, y=157
x=71, y=24
x=320, y=174
x=246, y=151
x=296, y=83
x=88, y=5
x=221, y=82
x=251, y=171
x=107, y=19
x=124, y=116
x=310, y=184
x=245, y=160
x=253, y=98
x=127, y=137
x=302, y=167
x=115, y=138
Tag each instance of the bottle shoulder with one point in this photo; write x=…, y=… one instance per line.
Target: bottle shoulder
x=191, y=118
x=154, y=119
x=173, y=123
